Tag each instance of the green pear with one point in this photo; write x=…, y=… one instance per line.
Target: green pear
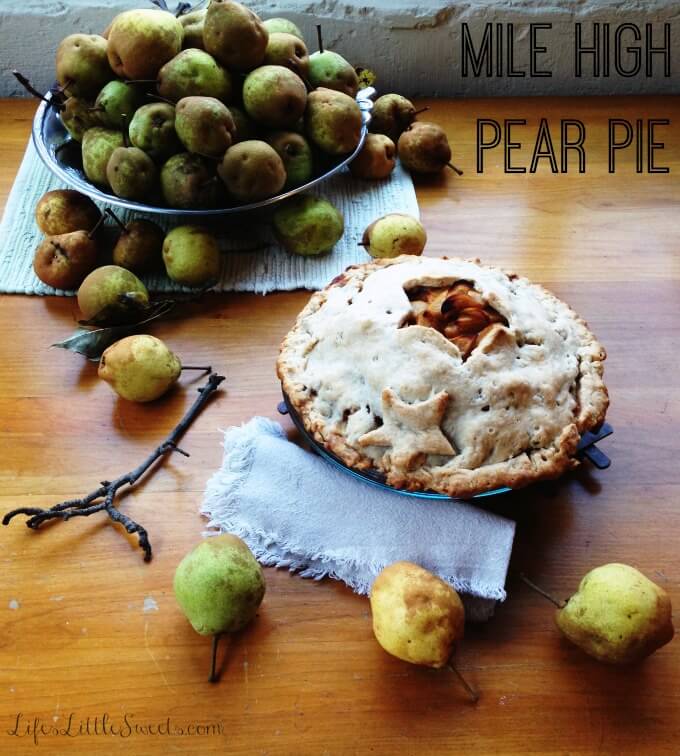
x=274, y=96
x=283, y=25
x=152, y=129
x=141, y=41
x=191, y=256
x=204, y=125
x=617, y=615
x=111, y=295
x=64, y=210
x=391, y=115
x=424, y=148
x=329, y=70
x=308, y=225
x=193, y=73
x=189, y=182
x=63, y=260
x=287, y=50
x=192, y=25
x=78, y=116
x=252, y=171
x=377, y=158
x=333, y=121
x=416, y=616
x=98, y=146
x=234, y=35
x=139, y=368
x=118, y=101
x=219, y=586
x=131, y=173
x=393, y=235
x=139, y=245
x=296, y=154
x=82, y=64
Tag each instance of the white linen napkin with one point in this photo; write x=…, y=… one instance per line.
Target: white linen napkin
x=296, y=510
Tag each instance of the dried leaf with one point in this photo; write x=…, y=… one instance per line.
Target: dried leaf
x=91, y=344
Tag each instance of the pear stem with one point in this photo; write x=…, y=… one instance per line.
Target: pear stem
x=214, y=677
x=454, y=169
x=474, y=695
x=204, y=369
x=141, y=81
x=559, y=604
x=102, y=217
x=319, y=37
x=26, y=84
x=116, y=220
x=422, y=110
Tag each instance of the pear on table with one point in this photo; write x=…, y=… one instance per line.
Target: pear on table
x=376, y=160
x=391, y=115
x=393, y=235
x=424, y=148
x=308, y=225
x=111, y=295
x=617, y=615
x=192, y=256
x=219, y=586
x=61, y=211
x=139, y=368
x=417, y=617
x=139, y=245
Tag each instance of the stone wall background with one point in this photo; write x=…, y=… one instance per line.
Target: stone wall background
x=413, y=48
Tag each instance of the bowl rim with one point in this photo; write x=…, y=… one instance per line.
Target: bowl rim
x=363, y=99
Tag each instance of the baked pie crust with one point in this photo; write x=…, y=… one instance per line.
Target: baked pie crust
x=444, y=374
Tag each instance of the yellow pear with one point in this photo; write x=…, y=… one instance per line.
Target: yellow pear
x=139, y=368
x=417, y=617
x=617, y=615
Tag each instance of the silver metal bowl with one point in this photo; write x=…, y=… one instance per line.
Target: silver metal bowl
x=61, y=155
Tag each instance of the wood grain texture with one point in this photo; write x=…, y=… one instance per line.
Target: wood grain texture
x=81, y=634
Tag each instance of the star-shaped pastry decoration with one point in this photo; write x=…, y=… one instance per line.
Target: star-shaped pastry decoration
x=410, y=429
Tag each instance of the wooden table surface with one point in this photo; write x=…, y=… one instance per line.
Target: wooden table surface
x=89, y=629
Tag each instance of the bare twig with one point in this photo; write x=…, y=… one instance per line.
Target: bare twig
x=102, y=499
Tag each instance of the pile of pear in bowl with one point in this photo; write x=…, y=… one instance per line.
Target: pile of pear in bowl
x=216, y=108
x=211, y=109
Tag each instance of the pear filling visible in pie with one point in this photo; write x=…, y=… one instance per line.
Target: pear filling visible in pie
x=457, y=311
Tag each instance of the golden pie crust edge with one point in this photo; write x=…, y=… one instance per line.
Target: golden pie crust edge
x=528, y=467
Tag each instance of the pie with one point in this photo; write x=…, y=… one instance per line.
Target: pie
x=444, y=375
